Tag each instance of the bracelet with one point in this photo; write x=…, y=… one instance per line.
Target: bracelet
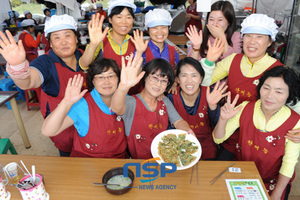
x=21, y=71
x=196, y=49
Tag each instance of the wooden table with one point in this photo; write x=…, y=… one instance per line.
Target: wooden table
x=73, y=178
x=180, y=42
x=11, y=98
x=178, y=39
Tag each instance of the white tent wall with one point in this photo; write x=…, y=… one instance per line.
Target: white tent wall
x=238, y=4
x=69, y=7
x=277, y=9
x=4, y=8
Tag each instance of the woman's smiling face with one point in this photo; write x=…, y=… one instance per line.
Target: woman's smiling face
x=122, y=23
x=189, y=79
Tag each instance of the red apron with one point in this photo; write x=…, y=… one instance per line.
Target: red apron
x=105, y=138
x=266, y=149
x=64, y=140
x=199, y=123
x=245, y=87
x=108, y=52
x=145, y=126
x=31, y=52
x=192, y=21
x=149, y=55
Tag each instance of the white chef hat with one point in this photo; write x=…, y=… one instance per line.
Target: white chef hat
x=127, y=3
x=60, y=22
x=99, y=5
x=27, y=22
x=259, y=24
x=26, y=12
x=157, y=17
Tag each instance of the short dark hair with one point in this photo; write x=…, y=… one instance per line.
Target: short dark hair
x=165, y=68
x=191, y=61
x=289, y=76
x=99, y=66
x=27, y=27
x=228, y=12
x=47, y=9
x=117, y=10
x=75, y=32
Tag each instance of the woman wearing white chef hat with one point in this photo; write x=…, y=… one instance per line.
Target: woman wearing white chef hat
x=50, y=71
x=28, y=15
x=29, y=43
x=157, y=22
x=115, y=42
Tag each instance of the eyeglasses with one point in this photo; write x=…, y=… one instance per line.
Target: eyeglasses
x=103, y=78
x=155, y=79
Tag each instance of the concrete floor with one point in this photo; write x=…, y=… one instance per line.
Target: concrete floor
x=43, y=146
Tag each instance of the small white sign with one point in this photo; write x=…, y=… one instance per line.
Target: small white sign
x=203, y=5
x=235, y=170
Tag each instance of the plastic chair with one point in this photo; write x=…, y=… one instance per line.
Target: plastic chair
x=21, y=92
x=7, y=84
x=33, y=99
x=6, y=145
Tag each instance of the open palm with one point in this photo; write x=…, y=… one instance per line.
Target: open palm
x=228, y=110
x=12, y=52
x=194, y=36
x=217, y=94
x=215, y=50
x=130, y=74
x=73, y=91
x=95, y=29
x=139, y=42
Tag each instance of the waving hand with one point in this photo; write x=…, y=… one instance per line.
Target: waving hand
x=12, y=52
x=95, y=29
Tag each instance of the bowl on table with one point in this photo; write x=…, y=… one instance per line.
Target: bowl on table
x=115, y=176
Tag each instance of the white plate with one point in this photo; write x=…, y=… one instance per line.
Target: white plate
x=190, y=137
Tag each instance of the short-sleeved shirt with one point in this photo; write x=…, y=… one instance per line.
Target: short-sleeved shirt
x=79, y=112
x=130, y=104
x=45, y=65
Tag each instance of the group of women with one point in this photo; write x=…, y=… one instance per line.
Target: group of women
x=92, y=115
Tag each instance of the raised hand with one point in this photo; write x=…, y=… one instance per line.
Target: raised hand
x=12, y=52
x=216, y=95
x=215, y=50
x=73, y=90
x=229, y=110
x=138, y=40
x=95, y=29
x=194, y=36
x=130, y=73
